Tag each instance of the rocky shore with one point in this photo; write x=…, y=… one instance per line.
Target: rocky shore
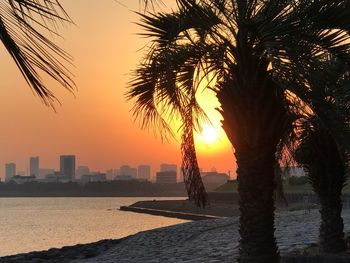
x=194, y=242
x=64, y=254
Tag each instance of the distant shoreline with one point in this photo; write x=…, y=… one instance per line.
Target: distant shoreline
x=24, y=195
x=184, y=209
x=131, y=188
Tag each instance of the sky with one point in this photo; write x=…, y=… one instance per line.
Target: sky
x=95, y=123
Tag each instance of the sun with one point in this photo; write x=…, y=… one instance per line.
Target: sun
x=209, y=135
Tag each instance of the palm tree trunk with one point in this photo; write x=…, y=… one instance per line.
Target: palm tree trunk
x=256, y=186
x=255, y=120
x=323, y=159
x=332, y=226
x=255, y=132
x=190, y=169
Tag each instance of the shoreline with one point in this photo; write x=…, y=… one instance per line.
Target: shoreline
x=184, y=209
x=64, y=254
x=214, y=240
x=196, y=242
x=91, y=195
x=167, y=213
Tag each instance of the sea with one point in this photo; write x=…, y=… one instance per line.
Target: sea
x=35, y=224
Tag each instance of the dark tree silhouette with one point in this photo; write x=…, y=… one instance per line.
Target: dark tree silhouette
x=252, y=49
x=323, y=147
x=24, y=26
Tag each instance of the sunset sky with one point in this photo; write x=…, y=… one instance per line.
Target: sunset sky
x=96, y=124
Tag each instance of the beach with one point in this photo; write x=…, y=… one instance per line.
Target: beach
x=214, y=240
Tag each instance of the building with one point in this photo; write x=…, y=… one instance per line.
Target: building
x=20, y=179
x=67, y=166
x=144, y=172
x=165, y=167
x=128, y=171
x=57, y=177
x=34, y=166
x=82, y=170
x=21, y=173
x=123, y=178
x=44, y=172
x=168, y=177
x=95, y=177
x=212, y=180
x=10, y=171
x=111, y=174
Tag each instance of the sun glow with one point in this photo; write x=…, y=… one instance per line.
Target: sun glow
x=209, y=135
x=211, y=138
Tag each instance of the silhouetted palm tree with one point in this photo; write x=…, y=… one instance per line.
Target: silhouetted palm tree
x=251, y=49
x=24, y=26
x=323, y=147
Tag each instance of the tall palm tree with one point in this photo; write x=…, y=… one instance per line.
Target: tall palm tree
x=24, y=26
x=324, y=163
x=251, y=49
x=323, y=148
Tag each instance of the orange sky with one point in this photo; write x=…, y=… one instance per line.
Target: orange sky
x=96, y=125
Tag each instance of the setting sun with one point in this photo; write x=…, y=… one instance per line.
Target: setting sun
x=209, y=135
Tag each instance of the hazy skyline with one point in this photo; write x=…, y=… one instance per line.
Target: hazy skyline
x=96, y=125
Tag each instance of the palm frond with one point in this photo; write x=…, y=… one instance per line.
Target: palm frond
x=24, y=25
x=321, y=144
x=169, y=67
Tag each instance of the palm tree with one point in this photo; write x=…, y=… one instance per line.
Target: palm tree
x=24, y=25
x=250, y=49
x=177, y=101
x=323, y=148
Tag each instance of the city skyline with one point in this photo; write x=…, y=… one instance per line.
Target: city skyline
x=139, y=171
x=96, y=124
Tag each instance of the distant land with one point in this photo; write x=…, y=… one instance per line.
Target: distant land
x=133, y=188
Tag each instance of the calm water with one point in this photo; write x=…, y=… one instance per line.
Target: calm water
x=28, y=224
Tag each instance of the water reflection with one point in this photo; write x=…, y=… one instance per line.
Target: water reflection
x=29, y=224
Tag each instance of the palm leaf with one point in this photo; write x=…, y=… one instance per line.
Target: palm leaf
x=24, y=25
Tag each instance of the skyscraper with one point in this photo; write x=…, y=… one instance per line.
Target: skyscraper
x=34, y=166
x=144, y=172
x=10, y=171
x=67, y=166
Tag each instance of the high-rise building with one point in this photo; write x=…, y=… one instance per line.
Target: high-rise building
x=34, y=166
x=144, y=172
x=67, y=166
x=10, y=171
